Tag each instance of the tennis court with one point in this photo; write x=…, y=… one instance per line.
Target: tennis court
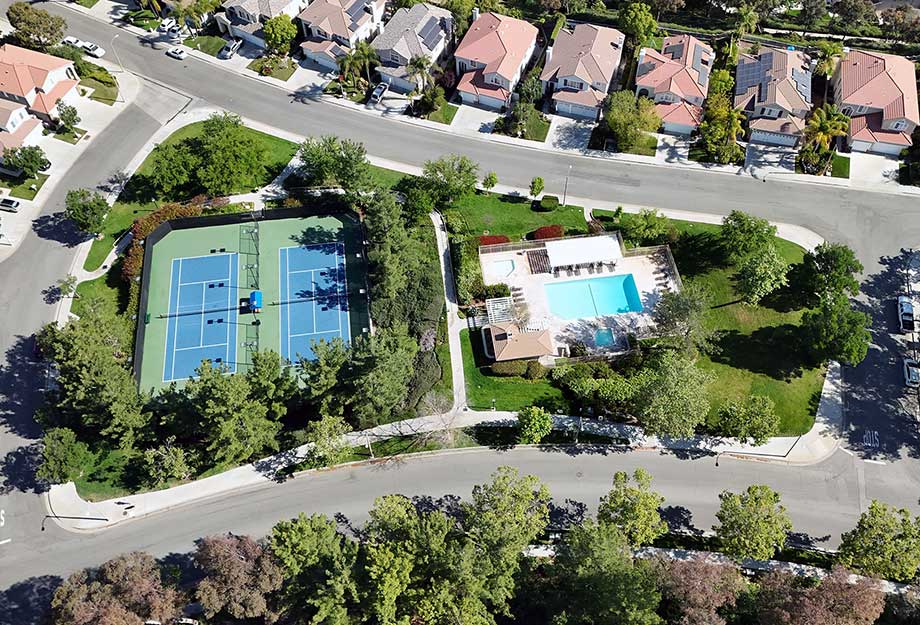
x=202, y=317
x=314, y=297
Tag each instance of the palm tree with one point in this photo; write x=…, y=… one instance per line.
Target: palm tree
x=366, y=56
x=825, y=125
x=828, y=54
x=418, y=70
x=348, y=65
x=746, y=20
x=152, y=5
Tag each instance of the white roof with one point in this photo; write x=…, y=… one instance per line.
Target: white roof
x=603, y=248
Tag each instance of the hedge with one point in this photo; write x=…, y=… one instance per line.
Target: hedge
x=143, y=226
x=535, y=370
x=426, y=373
x=495, y=290
x=493, y=239
x=547, y=232
x=510, y=368
x=548, y=203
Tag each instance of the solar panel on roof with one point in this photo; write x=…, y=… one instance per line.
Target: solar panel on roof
x=431, y=33
x=355, y=9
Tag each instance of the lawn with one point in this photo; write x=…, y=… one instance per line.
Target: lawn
x=758, y=351
x=536, y=129
x=87, y=3
x=840, y=168
x=71, y=136
x=508, y=393
x=333, y=87
x=278, y=153
x=386, y=177
x=444, y=386
x=700, y=155
x=109, y=287
x=284, y=68
x=103, y=84
x=22, y=187
x=512, y=215
x=445, y=114
x=647, y=146
x=143, y=18
x=209, y=44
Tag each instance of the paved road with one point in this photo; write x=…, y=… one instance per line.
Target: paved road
x=823, y=499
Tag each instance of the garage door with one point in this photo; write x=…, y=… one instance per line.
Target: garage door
x=886, y=148
x=770, y=138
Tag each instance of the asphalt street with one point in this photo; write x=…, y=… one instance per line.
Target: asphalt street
x=823, y=500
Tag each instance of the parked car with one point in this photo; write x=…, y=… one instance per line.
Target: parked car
x=175, y=32
x=905, y=313
x=379, y=91
x=93, y=50
x=166, y=24
x=45, y=166
x=9, y=205
x=177, y=53
x=73, y=42
x=232, y=47
x=911, y=373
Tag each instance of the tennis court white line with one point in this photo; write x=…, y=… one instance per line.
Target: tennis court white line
x=185, y=349
x=335, y=332
x=211, y=281
x=229, y=303
x=214, y=255
x=203, y=324
x=172, y=372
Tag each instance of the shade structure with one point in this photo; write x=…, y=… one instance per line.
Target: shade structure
x=584, y=250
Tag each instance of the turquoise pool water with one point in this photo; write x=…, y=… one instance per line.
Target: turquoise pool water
x=603, y=337
x=594, y=297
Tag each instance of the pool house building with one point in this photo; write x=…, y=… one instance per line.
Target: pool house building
x=587, y=290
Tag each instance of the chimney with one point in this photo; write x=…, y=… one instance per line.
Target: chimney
x=475, y=13
x=549, y=55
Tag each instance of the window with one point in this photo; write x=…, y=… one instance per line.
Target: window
x=899, y=125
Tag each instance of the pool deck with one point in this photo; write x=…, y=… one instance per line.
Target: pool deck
x=651, y=272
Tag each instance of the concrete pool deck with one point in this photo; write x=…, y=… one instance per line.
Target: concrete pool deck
x=650, y=268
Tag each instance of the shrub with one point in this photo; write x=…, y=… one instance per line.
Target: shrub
x=547, y=232
x=495, y=290
x=493, y=239
x=143, y=226
x=426, y=373
x=455, y=222
x=510, y=368
x=535, y=370
x=578, y=349
x=547, y=203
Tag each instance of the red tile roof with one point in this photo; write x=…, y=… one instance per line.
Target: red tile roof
x=498, y=41
x=869, y=128
x=23, y=70
x=473, y=82
x=880, y=81
x=679, y=113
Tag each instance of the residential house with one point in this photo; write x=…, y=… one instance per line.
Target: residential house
x=421, y=31
x=773, y=89
x=879, y=93
x=509, y=342
x=31, y=85
x=677, y=79
x=333, y=27
x=492, y=57
x=581, y=67
x=244, y=18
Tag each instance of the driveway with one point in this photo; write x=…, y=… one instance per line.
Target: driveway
x=569, y=134
x=474, y=119
x=672, y=149
x=761, y=160
x=873, y=170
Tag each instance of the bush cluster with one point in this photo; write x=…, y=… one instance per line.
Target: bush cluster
x=510, y=368
x=493, y=239
x=547, y=204
x=547, y=232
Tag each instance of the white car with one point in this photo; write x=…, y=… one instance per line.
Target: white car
x=174, y=33
x=905, y=314
x=911, y=373
x=166, y=24
x=177, y=53
x=93, y=50
x=74, y=42
x=379, y=91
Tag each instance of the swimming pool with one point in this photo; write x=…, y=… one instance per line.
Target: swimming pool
x=503, y=268
x=594, y=297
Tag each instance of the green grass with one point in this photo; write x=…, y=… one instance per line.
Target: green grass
x=356, y=95
x=386, y=177
x=758, y=352
x=508, y=393
x=209, y=44
x=109, y=287
x=647, y=146
x=283, y=70
x=21, y=187
x=70, y=136
x=87, y=3
x=700, y=155
x=143, y=18
x=444, y=386
x=106, y=479
x=513, y=216
x=278, y=153
x=840, y=168
x=536, y=129
x=445, y=114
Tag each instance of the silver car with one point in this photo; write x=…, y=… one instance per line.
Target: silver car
x=911, y=373
x=905, y=314
x=9, y=205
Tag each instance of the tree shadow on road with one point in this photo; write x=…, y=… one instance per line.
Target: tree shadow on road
x=18, y=469
x=56, y=227
x=28, y=602
x=679, y=520
x=21, y=379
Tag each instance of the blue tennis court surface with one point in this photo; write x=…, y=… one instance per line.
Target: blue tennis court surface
x=314, y=297
x=203, y=305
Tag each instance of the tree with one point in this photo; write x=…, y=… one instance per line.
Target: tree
x=536, y=186
x=898, y=22
x=67, y=116
x=530, y=89
x=279, y=33
x=327, y=435
x=230, y=157
x=837, y=332
x=829, y=51
x=813, y=11
x=240, y=574
x=600, y=583
x=885, y=543
x=35, y=28
x=760, y=274
x=829, y=269
x=721, y=81
x=384, y=365
x=125, y=590
x=665, y=6
x=349, y=68
x=68, y=286
x=628, y=116
x=683, y=314
x=172, y=168
x=534, y=424
x=671, y=398
x=271, y=383
x=452, y=176
x=855, y=13
x=695, y=591
x=721, y=128
x=318, y=564
x=824, y=126
x=324, y=373
x=236, y=427
x=637, y=22
x=837, y=601
x=754, y=420
x=366, y=57
x=646, y=227
x=489, y=181
x=633, y=509
x=430, y=100
x=744, y=235
x=166, y=462
x=419, y=70
x=86, y=209
x=28, y=158
x=64, y=458
x=752, y=524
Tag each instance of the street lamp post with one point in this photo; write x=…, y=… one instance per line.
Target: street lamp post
x=565, y=189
